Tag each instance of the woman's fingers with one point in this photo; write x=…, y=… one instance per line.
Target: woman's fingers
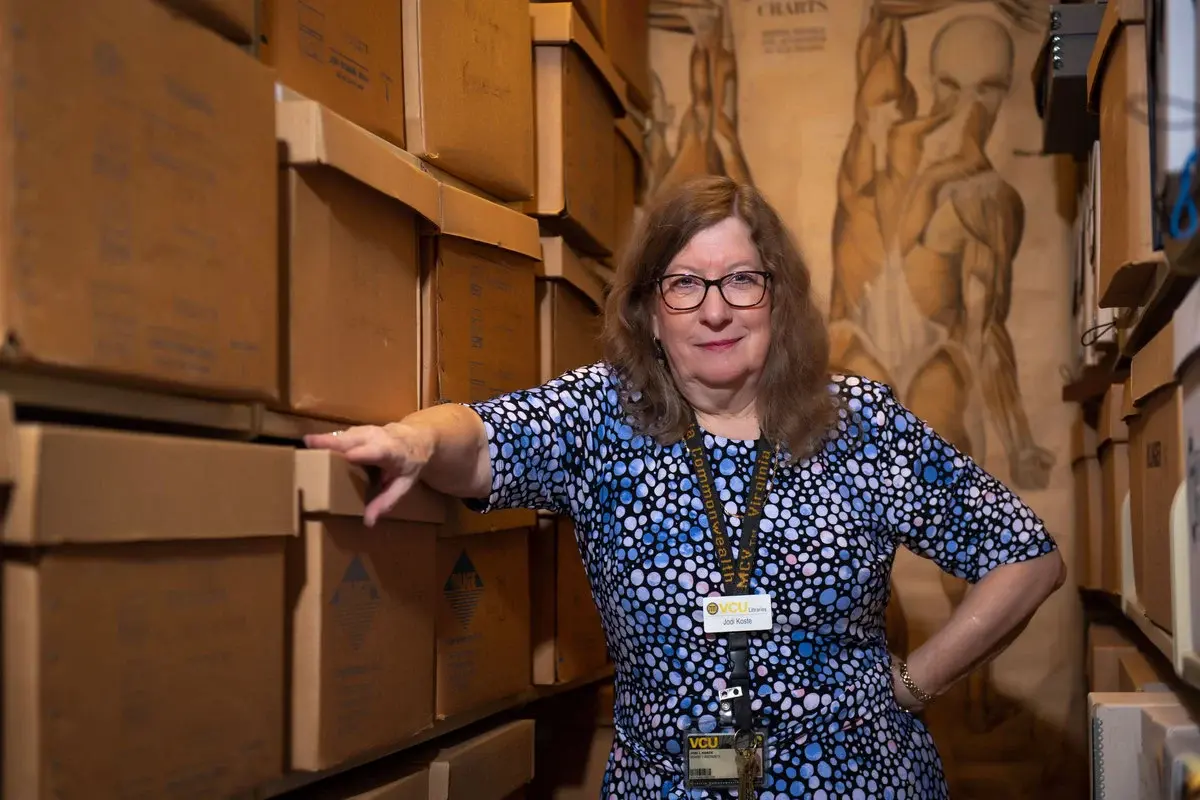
x=369, y=445
x=371, y=452
x=340, y=441
x=363, y=445
x=386, y=500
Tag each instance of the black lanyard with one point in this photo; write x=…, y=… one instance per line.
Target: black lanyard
x=736, y=576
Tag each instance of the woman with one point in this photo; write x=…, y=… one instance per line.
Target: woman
x=714, y=419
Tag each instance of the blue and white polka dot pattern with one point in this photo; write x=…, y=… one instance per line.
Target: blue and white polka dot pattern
x=830, y=530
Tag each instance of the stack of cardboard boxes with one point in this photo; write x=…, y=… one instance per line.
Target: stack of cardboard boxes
x=1136, y=452
x=1134, y=445
x=339, y=211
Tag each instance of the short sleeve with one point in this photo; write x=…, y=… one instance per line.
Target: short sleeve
x=541, y=441
x=945, y=507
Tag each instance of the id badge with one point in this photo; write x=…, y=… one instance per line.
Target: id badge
x=712, y=760
x=746, y=612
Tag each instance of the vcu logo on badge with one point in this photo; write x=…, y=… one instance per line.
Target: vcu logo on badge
x=713, y=608
x=703, y=742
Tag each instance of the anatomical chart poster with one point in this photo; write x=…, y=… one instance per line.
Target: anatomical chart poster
x=900, y=142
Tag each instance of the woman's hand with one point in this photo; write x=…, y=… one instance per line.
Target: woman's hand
x=399, y=450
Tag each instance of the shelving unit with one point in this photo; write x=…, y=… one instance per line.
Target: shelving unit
x=443, y=727
x=72, y=398
x=1178, y=646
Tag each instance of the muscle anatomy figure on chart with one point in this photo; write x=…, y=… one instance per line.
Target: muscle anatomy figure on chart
x=707, y=140
x=924, y=238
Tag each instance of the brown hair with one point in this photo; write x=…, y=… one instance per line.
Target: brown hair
x=795, y=405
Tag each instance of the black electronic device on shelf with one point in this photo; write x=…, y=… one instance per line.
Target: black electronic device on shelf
x=1060, y=79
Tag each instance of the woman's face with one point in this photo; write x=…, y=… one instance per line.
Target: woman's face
x=716, y=345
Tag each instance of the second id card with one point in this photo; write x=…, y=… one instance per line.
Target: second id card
x=712, y=761
x=747, y=612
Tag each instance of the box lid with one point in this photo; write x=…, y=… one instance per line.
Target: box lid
x=559, y=24
x=561, y=263
x=314, y=135
x=468, y=216
x=88, y=485
x=1117, y=15
x=490, y=766
x=286, y=93
x=1153, y=367
x=329, y=484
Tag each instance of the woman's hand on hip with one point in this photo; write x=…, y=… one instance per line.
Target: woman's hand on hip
x=399, y=450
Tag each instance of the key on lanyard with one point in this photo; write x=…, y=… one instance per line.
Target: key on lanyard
x=746, y=755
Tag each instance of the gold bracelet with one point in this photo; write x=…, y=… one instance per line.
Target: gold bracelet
x=923, y=697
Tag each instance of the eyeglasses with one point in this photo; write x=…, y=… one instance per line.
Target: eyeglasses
x=683, y=292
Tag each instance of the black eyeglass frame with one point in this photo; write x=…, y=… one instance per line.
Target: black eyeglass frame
x=717, y=282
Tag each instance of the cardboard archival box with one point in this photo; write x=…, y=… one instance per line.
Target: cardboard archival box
x=591, y=12
x=628, y=178
x=362, y=616
x=9, y=459
x=627, y=40
x=1117, y=84
x=1086, y=484
x=479, y=320
x=144, y=630
x=478, y=292
x=1136, y=673
x=483, y=620
x=468, y=91
x=411, y=787
x=570, y=298
x=1187, y=331
x=139, y=240
x=491, y=766
x=1113, y=449
x=354, y=206
x=236, y=20
x=1105, y=646
x=578, y=100
x=345, y=55
x=1157, y=470
x=568, y=638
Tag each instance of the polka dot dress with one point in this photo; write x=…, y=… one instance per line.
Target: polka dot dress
x=830, y=529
